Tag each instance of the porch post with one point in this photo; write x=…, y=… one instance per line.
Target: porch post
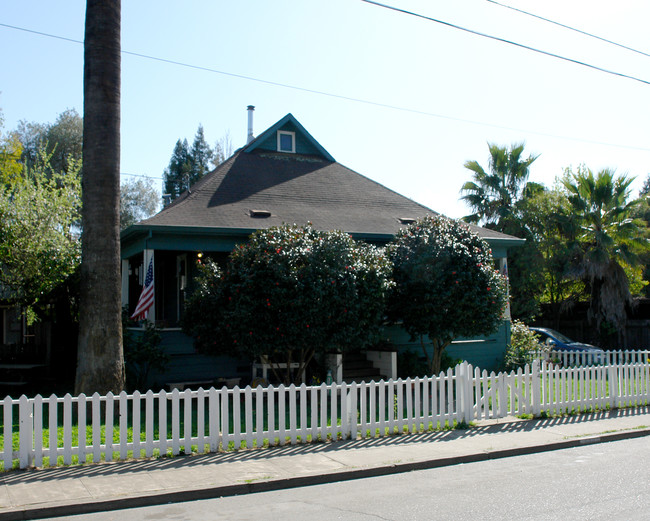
x=125, y=282
x=502, y=265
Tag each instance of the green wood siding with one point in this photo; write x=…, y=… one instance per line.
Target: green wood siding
x=187, y=365
x=486, y=353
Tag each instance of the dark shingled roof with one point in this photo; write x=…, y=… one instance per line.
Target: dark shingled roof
x=295, y=189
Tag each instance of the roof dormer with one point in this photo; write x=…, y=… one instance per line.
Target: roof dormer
x=288, y=136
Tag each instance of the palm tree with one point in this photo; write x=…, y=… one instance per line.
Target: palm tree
x=492, y=195
x=609, y=238
x=100, y=364
x=495, y=197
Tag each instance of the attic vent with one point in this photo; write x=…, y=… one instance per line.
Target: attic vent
x=259, y=213
x=406, y=220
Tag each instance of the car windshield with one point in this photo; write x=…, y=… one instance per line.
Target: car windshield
x=560, y=336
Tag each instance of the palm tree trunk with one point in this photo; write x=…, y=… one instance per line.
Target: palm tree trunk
x=100, y=363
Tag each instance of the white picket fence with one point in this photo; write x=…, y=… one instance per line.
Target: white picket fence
x=577, y=358
x=46, y=431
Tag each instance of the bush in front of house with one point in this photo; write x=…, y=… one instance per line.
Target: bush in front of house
x=142, y=352
x=524, y=347
x=288, y=293
x=446, y=285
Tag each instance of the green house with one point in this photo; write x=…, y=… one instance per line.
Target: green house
x=282, y=176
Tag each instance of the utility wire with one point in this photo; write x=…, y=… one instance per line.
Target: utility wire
x=569, y=28
x=509, y=42
x=142, y=175
x=340, y=96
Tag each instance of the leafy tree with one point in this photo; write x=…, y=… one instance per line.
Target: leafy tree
x=496, y=197
x=39, y=246
x=62, y=140
x=446, y=286
x=551, y=230
x=642, y=211
x=291, y=293
x=10, y=153
x=100, y=361
x=138, y=201
x=31, y=136
x=176, y=176
x=609, y=240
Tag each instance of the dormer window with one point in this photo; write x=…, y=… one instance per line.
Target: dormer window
x=286, y=141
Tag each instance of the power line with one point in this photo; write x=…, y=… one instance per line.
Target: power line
x=142, y=175
x=340, y=96
x=569, y=28
x=509, y=42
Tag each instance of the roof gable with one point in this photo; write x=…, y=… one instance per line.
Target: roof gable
x=305, y=143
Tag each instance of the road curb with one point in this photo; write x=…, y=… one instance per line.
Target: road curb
x=179, y=496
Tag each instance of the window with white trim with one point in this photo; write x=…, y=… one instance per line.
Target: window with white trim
x=286, y=141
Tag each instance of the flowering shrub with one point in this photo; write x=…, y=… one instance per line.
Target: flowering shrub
x=446, y=285
x=524, y=346
x=291, y=292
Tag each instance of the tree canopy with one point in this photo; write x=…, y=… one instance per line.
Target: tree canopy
x=493, y=194
x=290, y=293
x=608, y=237
x=551, y=232
x=446, y=285
x=496, y=197
x=139, y=200
x=176, y=176
x=187, y=164
x=62, y=140
x=10, y=153
x=39, y=239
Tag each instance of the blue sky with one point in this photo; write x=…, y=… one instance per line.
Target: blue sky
x=458, y=91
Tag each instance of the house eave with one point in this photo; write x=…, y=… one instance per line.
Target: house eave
x=139, y=237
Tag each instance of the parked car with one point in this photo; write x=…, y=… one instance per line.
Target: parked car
x=561, y=343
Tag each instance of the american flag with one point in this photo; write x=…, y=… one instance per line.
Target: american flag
x=146, y=297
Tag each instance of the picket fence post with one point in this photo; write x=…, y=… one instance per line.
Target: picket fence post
x=464, y=382
x=536, y=394
x=26, y=429
x=7, y=419
x=612, y=379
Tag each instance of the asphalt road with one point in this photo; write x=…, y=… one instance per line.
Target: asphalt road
x=607, y=481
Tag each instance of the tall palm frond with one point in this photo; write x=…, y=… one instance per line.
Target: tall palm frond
x=493, y=195
x=609, y=238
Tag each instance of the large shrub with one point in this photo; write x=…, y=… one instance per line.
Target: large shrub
x=524, y=346
x=291, y=292
x=142, y=352
x=446, y=286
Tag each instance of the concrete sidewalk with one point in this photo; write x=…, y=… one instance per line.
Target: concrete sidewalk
x=43, y=493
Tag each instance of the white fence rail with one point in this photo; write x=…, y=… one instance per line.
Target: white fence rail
x=577, y=358
x=49, y=431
